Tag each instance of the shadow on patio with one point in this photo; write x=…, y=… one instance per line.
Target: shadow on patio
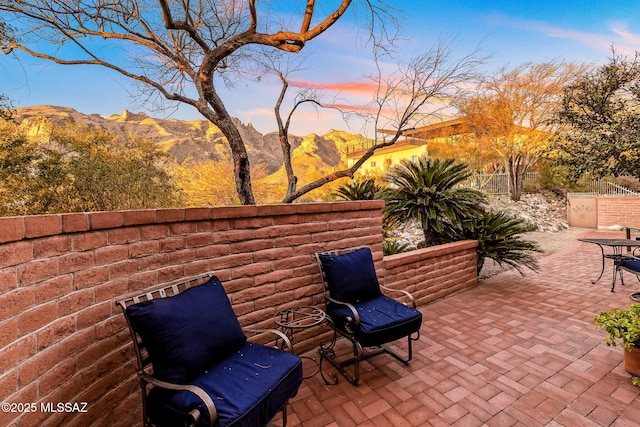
x=515, y=351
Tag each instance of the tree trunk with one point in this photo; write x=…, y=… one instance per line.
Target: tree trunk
x=241, y=166
x=428, y=237
x=292, y=179
x=516, y=171
x=216, y=113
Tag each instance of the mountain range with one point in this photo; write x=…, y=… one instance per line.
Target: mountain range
x=200, y=140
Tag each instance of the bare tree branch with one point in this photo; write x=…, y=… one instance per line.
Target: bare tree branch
x=402, y=101
x=178, y=49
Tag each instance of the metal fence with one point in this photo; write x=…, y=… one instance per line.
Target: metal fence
x=601, y=187
x=496, y=183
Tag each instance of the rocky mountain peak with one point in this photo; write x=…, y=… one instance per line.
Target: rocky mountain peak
x=199, y=139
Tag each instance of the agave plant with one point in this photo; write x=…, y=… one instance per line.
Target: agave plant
x=392, y=246
x=358, y=190
x=499, y=238
x=427, y=191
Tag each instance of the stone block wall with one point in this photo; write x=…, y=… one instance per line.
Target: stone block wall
x=63, y=340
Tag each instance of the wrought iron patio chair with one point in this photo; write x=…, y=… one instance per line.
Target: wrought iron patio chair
x=195, y=364
x=358, y=311
x=630, y=264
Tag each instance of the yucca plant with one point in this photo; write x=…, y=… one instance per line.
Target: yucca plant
x=358, y=190
x=427, y=191
x=499, y=238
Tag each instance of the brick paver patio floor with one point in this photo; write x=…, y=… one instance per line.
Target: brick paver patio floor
x=515, y=351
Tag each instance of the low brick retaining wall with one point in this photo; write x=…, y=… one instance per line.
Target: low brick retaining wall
x=435, y=272
x=63, y=340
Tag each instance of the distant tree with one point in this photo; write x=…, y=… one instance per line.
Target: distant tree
x=110, y=171
x=510, y=114
x=467, y=149
x=600, y=121
x=210, y=182
x=17, y=175
x=78, y=169
x=426, y=191
x=180, y=51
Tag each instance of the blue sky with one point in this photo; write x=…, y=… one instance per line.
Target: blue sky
x=511, y=32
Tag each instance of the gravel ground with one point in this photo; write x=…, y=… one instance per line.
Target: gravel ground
x=554, y=241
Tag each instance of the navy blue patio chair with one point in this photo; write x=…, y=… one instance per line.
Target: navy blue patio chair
x=358, y=310
x=630, y=264
x=195, y=364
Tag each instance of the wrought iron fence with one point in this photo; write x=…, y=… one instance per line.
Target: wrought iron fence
x=601, y=187
x=496, y=183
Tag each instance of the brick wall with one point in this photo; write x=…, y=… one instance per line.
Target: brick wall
x=433, y=273
x=603, y=211
x=618, y=211
x=62, y=339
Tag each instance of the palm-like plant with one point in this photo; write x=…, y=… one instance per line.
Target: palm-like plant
x=498, y=236
x=358, y=190
x=427, y=191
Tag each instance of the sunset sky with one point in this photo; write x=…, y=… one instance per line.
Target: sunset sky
x=511, y=32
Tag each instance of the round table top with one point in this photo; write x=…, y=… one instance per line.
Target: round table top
x=299, y=317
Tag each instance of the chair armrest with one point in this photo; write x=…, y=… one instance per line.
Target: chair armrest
x=279, y=336
x=194, y=415
x=412, y=300
x=353, y=322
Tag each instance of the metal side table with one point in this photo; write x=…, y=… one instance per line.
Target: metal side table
x=303, y=317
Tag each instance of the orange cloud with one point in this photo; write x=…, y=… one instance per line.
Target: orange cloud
x=353, y=87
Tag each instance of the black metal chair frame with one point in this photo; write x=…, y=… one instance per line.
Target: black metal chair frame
x=620, y=267
x=145, y=364
x=327, y=352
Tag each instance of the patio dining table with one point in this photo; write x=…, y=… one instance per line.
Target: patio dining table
x=616, y=253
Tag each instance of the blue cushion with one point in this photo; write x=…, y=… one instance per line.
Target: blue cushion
x=382, y=320
x=631, y=264
x=248, y=387
x=352, y=276
x=187, y=333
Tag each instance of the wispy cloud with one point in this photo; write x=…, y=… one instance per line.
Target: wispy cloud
x=625, y=41
x=626, y=38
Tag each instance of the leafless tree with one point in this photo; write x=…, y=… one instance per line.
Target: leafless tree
x=510, y=114
x=178, y=50
x=416, y=92
x=5, y=104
